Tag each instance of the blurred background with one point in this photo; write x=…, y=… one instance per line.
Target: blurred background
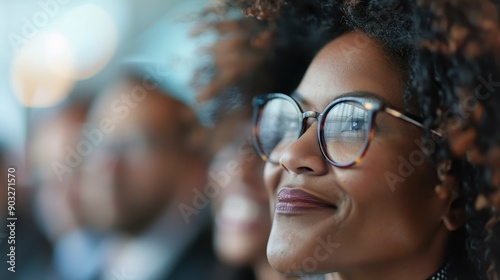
x=99, y=119
x=53, y=52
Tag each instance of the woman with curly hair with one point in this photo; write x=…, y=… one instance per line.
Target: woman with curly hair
x=366, y=168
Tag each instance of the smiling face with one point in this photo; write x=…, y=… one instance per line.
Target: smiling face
x=241, y=210
x=361, y=225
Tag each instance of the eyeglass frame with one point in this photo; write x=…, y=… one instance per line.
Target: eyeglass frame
x=372, y=106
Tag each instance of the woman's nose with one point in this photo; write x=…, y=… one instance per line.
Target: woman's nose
x=303, y=156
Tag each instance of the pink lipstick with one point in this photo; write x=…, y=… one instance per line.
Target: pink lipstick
x=294, y=201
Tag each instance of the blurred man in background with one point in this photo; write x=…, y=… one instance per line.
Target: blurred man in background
x=146, y=161
x=44, y=213
x=55, y=169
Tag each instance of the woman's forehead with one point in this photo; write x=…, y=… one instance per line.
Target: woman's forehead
x=351, y=63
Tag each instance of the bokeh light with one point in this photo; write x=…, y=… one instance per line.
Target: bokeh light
x=77, y=46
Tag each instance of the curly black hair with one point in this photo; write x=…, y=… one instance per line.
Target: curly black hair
x=454, y=73
x=449, y=51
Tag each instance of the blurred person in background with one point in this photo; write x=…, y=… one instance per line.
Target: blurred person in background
x=241, y=210
x=245, y=65
x=147, y=162
x=55, y=163
x=43, y=210
x=59, y=146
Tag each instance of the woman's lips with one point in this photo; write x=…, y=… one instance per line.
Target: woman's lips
x=293, y=201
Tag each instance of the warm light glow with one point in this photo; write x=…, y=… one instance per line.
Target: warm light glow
x=92, y=35
x=77, y=46
x=56, y=43
x=36, y=77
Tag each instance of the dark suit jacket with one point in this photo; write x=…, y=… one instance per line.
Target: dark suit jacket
x=200, y=262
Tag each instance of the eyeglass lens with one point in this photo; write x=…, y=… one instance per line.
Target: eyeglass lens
x=346, y=129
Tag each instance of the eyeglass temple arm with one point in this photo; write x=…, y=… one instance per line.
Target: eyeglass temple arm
x=397, y=114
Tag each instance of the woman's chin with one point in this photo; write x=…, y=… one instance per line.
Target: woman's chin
x=286, y=256
x=302, y=250
x=295, y=265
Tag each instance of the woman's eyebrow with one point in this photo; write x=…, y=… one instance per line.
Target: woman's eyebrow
x=366, y=94
x=297, y=96
x=357, y=93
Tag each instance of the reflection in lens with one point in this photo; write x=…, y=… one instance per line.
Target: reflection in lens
x=279, y=125
x=346, y=131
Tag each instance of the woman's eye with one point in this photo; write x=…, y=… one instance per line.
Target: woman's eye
x=283, y=119
x=292, y=123
x=287, y=122
x=354, y=124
